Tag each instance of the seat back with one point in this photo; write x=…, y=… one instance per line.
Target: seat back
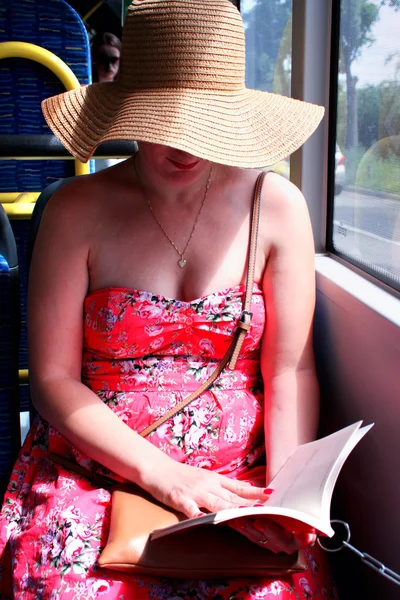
x=40, y=205
x=55, y=26
x=10, y=439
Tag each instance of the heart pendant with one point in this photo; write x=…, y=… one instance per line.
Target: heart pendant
x=182, y=262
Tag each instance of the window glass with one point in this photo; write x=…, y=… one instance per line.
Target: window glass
x=268, y=27
x=366, y=214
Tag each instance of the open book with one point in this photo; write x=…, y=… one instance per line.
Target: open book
x=302, y=489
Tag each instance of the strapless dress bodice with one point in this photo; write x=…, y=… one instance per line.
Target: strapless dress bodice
x=143, y=353
x=136, y=339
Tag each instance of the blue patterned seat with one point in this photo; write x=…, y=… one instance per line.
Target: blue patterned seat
x=54, y=25
x=9, y=337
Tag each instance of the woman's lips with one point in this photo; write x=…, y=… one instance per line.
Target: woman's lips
x=184, y=166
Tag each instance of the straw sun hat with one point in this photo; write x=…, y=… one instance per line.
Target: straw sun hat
x=182, y=84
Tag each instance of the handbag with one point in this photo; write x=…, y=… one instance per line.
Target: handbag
x=205, y=552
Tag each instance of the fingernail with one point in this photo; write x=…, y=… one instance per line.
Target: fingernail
x=258, y=504
x=268, y=491
x=200, y=514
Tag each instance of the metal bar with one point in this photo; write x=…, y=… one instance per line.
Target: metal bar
x=21, y=210
x=50, y=61
x=91, y=11
x=23, y=376
x=18, y=197
x=48, y=147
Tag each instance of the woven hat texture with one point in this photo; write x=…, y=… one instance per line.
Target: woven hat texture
x=182, y=84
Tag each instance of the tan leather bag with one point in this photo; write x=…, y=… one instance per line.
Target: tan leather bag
x=206, y=552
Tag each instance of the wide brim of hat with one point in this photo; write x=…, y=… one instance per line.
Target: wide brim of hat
x=244, y=128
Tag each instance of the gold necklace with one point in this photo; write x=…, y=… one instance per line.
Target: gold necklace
x=182, y=261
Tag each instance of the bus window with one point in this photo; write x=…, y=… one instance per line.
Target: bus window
x=268, y=29
x=366, y=215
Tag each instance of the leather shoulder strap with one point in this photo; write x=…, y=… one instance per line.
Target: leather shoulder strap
x=245, y=320
x=233, y=351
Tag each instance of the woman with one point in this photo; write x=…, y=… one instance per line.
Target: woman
x=152, y=253
x=106, y=52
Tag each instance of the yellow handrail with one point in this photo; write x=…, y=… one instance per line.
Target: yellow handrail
x=52, y=62
x=67, y=77
x=23, y=376
x=19, y=205
x=20, y=210
x=18, y=197
x=91, y=11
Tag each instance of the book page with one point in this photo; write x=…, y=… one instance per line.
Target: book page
x=302, y=488
x=305, y=482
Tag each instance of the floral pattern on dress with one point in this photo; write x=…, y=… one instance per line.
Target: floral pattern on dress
x=142, y=354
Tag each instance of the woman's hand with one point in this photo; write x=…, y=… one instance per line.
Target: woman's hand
x=270, y=535
x=191, y=490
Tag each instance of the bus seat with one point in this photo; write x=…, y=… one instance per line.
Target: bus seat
x=10, y=439
x=55, y=26
x=40, y=205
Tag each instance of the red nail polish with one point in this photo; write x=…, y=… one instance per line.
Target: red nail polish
x=258, y=504
x=200, y=514
x=268, y=491
x=304, y=538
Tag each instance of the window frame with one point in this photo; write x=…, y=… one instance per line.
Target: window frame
x=310, y=82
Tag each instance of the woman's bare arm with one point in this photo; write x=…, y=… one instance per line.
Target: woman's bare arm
x=58, y=284
x=291, y=388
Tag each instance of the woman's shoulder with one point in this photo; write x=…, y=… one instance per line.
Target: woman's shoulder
x=280, y=193
x=284, y=213
x=280, y=198
x=276, y=190
x=282, y=201
x=85, y=197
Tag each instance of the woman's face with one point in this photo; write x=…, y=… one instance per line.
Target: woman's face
x=175, y=165
x=107, y=63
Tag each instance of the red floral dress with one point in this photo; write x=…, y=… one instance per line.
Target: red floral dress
x=142, y=354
